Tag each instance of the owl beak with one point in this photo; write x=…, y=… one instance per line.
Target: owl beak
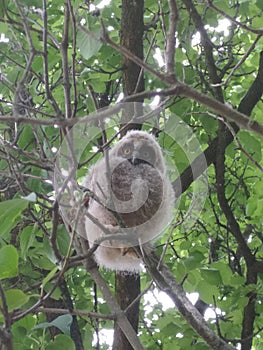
x=136, y=159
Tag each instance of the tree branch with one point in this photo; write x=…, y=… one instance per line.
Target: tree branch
x=246, y=106
x=171, y=40
x=208, y=49
x=167, y=283
x=119, y=314
x=49, y=310
x=64, y=54
x=179, y=89
x=5, y=333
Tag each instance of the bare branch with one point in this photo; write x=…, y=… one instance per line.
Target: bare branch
x=65, y=65
x=74, y=53
x=179, y=89
x=171, y=39
x=74, y=312
x=208, y=48
x=45, y=62
x=121, y=318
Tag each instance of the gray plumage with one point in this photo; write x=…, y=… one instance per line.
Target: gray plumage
x=133, y=197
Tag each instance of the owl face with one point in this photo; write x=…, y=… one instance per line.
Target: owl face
x=138, y=148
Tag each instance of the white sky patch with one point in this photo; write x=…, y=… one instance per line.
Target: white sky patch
x=210, y=314
x=193, y=297
x=155, y=102
x=179, y=335
x=120, y=97
x=150, y=300
x=103, y=3
x=158, y=57
x=3, y=38
x=92, y=7
x=196, y=39
x=250, y=238
x=106, y=337
x=153, y=297
x=83, y=21
x=223, y=26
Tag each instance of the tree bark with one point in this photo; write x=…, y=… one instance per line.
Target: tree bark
x=127, y=287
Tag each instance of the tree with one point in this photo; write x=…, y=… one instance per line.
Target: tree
x=62, y=61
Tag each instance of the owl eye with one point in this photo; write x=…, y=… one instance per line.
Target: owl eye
x=145, y=154
x=127, y=151
x=148, y=154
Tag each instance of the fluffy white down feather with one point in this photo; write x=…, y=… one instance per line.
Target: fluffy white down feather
x=138, y=190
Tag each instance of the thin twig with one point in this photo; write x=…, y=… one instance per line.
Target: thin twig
x=239, y=24
x=240, y=62
x=74, y=54
x=74, y=312
x=45, y=62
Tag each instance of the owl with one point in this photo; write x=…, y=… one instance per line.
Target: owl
x=132, y=199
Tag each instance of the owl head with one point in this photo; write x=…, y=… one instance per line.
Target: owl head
x=139, y=147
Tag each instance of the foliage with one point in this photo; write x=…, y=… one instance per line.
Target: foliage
x=52, y=71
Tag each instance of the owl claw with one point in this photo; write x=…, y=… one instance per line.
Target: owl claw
x=130, y=252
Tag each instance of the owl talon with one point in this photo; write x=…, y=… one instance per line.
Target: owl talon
x=129, y=252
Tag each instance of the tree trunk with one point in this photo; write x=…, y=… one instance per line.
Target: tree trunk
x=127, y=286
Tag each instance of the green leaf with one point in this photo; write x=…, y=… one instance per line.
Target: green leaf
x=15, y=298
x=26, y=137
x=212, y=276
x=207, y=292
x=224, y=270
x=63, y=239
x=250, y=144
x=63, y=323
x=194, y=260
x=258, y=188
x=61, y=342
x=4, y=29
x=10, y=212
x=49, y=276
x=35, y=3
x=26, y=239
x=185, y=245
x=251, y=205
x=259, y=4
x=8, y=262
x=88, y=46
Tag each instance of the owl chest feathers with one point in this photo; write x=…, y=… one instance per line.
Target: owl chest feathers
x=143, y=189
